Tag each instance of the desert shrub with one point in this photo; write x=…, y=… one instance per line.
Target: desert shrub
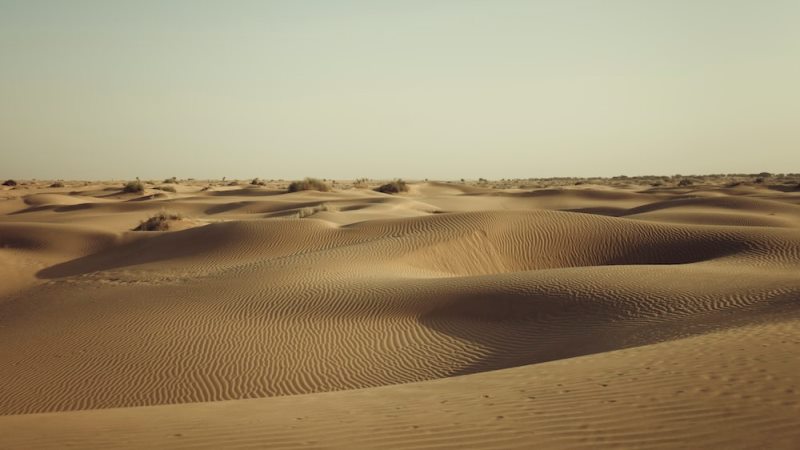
x=305, y=212
x=733, y=184
x=257, y=182
x=309, y=184
x=311, y=210
x=759, y=180
x=361, y=183
x=134, y=187
x=166, y=188
x=233, y=183
x=57, y=184
x=9, y=183
x=394, y=187
x=172, y=180
x=685, y=182
x=158, y=222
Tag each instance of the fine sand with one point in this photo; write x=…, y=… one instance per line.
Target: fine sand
x=455, y=315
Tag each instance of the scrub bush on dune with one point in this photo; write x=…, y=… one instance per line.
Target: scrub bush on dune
x=136, y=187
x=158, y=222
x=309, y=184
x=395, y=187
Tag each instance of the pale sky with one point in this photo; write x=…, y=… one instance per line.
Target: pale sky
x=416, y=89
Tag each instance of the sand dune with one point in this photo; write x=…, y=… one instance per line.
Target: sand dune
x=448, y=316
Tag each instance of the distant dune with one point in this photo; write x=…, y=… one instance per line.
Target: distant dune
x=454, y=315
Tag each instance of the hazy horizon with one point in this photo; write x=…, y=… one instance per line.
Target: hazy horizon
x=439, y=90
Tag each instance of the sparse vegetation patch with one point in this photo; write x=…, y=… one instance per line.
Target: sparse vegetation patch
x=311, y=210
x=309, y=184
x=394, y=187
x=136, y=187
x=158, y=222
x=361, y=183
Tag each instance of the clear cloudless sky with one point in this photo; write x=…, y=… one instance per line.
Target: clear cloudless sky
x=418, y=89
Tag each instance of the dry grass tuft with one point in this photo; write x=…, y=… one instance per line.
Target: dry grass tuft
x=311, y=210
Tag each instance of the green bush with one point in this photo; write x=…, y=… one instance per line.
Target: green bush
x=309, y=184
